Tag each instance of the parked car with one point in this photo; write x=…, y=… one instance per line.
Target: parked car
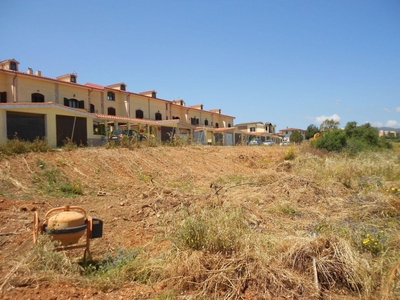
x=131, y=134
x=254, y=142
x=268, y=143
x=285, y=143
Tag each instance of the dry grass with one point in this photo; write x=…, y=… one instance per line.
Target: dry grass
x=336, y=264
x=244, y=275
x=234, y=223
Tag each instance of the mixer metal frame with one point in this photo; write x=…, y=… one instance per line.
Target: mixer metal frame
x=40, y=228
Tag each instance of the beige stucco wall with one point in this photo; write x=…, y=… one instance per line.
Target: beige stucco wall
x=178, y=111
x=96, y=98
x=50, y=123
x=6, y=85
x=153, y=106
x=29, y=85
x=3, y=83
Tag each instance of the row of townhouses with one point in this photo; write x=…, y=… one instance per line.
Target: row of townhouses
x=60, y=109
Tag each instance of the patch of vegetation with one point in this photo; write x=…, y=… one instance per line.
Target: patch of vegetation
x=178, y=141
x=296, y=137
x=212, y=229
x=352, y=139
x=69, y=145
x=111, y=264
x=54, y=182
x=117, y=269
x=17, y=146
x=45, y=259
x=289, y=155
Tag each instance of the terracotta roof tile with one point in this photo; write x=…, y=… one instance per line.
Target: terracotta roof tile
x=93, y=85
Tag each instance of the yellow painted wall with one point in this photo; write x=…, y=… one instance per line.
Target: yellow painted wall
x=3, y=83
x=178, y=111
x=50, y=123
x=149, y=106
x=154, y=106
x=138, y=102
x=29, y=85
x=72, y=92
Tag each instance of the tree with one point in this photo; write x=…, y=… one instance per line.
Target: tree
x=365, y=133
x=311, y=130
x=296, y=137
x=329, y=125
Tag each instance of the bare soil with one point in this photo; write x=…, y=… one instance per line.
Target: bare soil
x=130, y=190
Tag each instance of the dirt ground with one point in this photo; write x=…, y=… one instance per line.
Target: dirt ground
x=126, y=189
x=134, y=192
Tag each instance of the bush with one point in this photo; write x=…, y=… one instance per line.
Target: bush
x=334, y=140
x=353, y=139
x=17, y=146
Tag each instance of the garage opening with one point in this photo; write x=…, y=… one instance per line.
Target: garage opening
x=72, y=129
x=25, y=126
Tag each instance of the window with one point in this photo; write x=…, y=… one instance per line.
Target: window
x=194, y=121
x=123, y=87
x=229, y=125
x=158, y=116
x=13, y=66
x=92, y=110
x=74, y=103
x=175, y=118
x=111, y=111
x=110, y=96
x=3, y=97
x=216, y=125
x=206, y=122
x=36, y=97
x=139, y=114
x=252, y=129
x=73, y=78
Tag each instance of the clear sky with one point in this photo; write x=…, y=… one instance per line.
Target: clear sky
x=291, y=63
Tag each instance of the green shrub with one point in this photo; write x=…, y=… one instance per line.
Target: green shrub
x=352, y=139
x=334, y=140
x=17, y=146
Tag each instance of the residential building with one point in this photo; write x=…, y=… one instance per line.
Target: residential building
x=259, y=131
x=389, y=133
x=60, y=109
x=287, y=132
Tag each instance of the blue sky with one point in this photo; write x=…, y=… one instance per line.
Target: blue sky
x=291, y=63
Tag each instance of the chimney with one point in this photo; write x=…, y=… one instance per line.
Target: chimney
x=30, y=71
x=38, y=73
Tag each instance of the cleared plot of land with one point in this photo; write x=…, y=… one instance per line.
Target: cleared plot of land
x=193, y=222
